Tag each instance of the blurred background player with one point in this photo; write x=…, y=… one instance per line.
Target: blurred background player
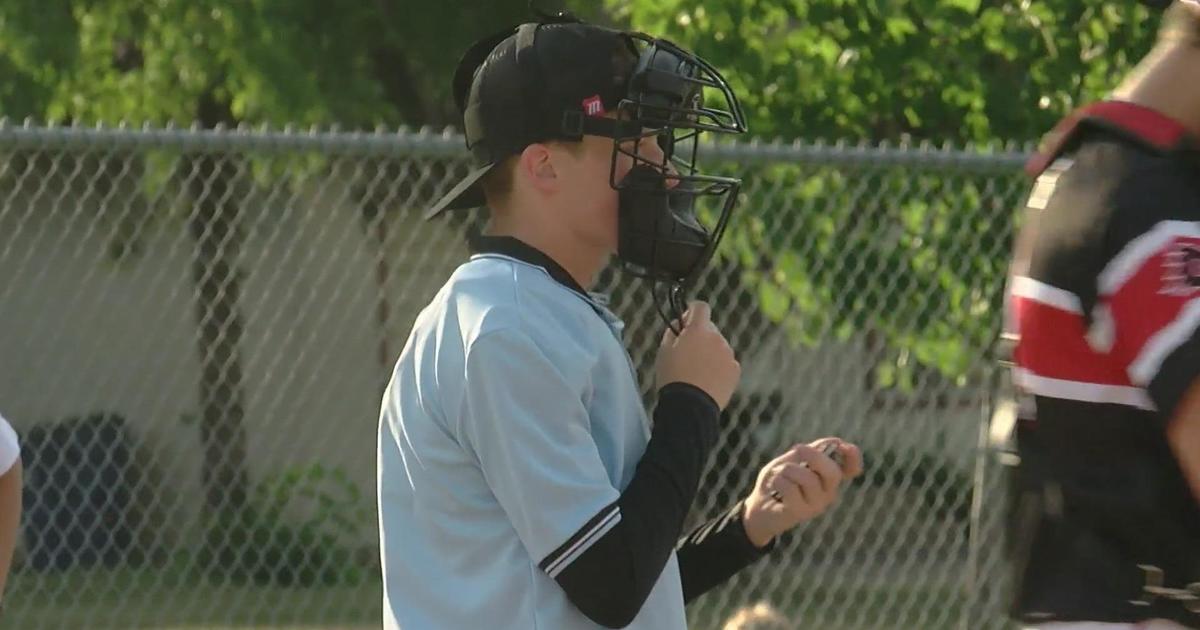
x=760, y=616
x=10, y=500
x=1103, y=315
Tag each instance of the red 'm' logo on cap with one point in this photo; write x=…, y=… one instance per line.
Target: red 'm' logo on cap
x=593, y=106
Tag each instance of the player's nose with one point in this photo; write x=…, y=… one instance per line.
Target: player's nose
x=653, y=153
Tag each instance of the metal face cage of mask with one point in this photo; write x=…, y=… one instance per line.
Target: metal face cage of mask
x=662, y=236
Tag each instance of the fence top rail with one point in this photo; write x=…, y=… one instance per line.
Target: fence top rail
x=448, y=143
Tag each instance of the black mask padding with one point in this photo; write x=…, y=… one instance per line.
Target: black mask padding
x=658, y=234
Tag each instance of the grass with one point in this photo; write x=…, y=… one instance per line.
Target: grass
x=903, y=607
x=173, y=600
x=162, y=600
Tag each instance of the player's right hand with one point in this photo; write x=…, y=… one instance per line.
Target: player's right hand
x=798, y=486
x=699, y=356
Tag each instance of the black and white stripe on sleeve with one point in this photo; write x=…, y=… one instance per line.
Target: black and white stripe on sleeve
x=610, y=565
x=599, y=525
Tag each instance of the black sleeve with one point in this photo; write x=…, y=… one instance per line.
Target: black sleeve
x=715, y=551
x=1154, y=302
x=611, y=579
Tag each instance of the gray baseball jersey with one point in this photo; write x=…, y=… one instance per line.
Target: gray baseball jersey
x=510, y=427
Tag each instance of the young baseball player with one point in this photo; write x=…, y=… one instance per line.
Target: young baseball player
x=521, y=483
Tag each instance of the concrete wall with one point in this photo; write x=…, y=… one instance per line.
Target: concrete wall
x=82, y=332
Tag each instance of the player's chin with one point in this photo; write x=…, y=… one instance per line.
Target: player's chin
x=606, y=238
x=601, y=241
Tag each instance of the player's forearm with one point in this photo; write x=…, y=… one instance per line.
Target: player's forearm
x=715, y=552
x=611, y=580
x=1184, y=435
x=10, y=517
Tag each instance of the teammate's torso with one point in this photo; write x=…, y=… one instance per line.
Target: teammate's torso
x=1103, y=492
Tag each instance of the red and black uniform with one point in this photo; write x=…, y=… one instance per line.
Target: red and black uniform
x=1104, y=309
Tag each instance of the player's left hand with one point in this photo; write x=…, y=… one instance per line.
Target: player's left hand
x=798, y=486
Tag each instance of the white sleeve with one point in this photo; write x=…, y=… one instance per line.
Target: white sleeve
x=10, y=449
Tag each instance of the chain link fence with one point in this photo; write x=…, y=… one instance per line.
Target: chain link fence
x=196, y=328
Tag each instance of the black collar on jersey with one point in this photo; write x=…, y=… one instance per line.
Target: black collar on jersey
x=1138, y=123
x=524, y=252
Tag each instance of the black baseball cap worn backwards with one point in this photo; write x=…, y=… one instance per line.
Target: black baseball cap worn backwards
x=534, y=83
x=562, y=79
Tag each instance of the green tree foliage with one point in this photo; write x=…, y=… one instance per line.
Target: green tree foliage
x=270, y=61
x=917, y=254
x=960, y=70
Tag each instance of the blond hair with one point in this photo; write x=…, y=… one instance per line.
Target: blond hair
x=760, y=616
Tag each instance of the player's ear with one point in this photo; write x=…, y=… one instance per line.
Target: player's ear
x=536, y=167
